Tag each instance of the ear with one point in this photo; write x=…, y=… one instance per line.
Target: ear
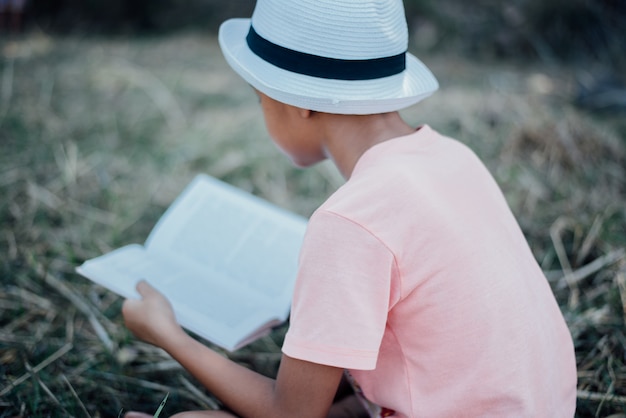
x=305, y=113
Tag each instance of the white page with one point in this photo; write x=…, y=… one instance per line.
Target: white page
x=227, y=230
x=222, y=314
x=213, y=229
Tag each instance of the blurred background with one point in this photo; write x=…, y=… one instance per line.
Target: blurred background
x=109, y=108
x=559, y=29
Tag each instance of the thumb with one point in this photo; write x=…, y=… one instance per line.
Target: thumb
x=145, y=289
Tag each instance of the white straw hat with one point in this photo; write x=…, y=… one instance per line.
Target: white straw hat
x=333, y=56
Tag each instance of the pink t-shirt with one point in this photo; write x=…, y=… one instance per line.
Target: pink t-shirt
x=416, y=278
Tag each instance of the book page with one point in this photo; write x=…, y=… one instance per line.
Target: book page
x=207, y=304
x=226, y=260
x=221, y=228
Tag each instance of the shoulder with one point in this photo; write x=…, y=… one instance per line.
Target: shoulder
x=395, y=172
x=410, y=181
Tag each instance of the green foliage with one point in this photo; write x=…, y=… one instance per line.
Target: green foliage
x=161, y=406
x=552, y=30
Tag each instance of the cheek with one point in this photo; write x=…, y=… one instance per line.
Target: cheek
x=271, y=125
x=276, y=130
x=276, y=135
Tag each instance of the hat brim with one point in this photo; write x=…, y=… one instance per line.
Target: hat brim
x=361, y=97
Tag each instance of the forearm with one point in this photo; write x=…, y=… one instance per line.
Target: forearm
x=303, y=389
x=246, y=392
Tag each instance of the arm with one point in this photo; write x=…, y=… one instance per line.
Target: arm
x=301, y=389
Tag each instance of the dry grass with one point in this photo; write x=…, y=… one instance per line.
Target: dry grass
x=98, y=136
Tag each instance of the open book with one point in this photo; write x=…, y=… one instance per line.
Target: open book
x=225, y=259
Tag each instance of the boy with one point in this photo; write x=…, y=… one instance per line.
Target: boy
x=414, y=276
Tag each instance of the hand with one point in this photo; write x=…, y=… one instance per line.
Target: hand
x=150, y=318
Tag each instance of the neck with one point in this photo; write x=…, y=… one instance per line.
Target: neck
x=347, y=137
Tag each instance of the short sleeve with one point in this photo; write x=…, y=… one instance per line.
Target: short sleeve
x=340, y=305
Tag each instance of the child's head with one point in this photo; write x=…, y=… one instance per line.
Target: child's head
x=332, y=56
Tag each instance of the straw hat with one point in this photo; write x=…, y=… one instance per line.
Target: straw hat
x=334, y=56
